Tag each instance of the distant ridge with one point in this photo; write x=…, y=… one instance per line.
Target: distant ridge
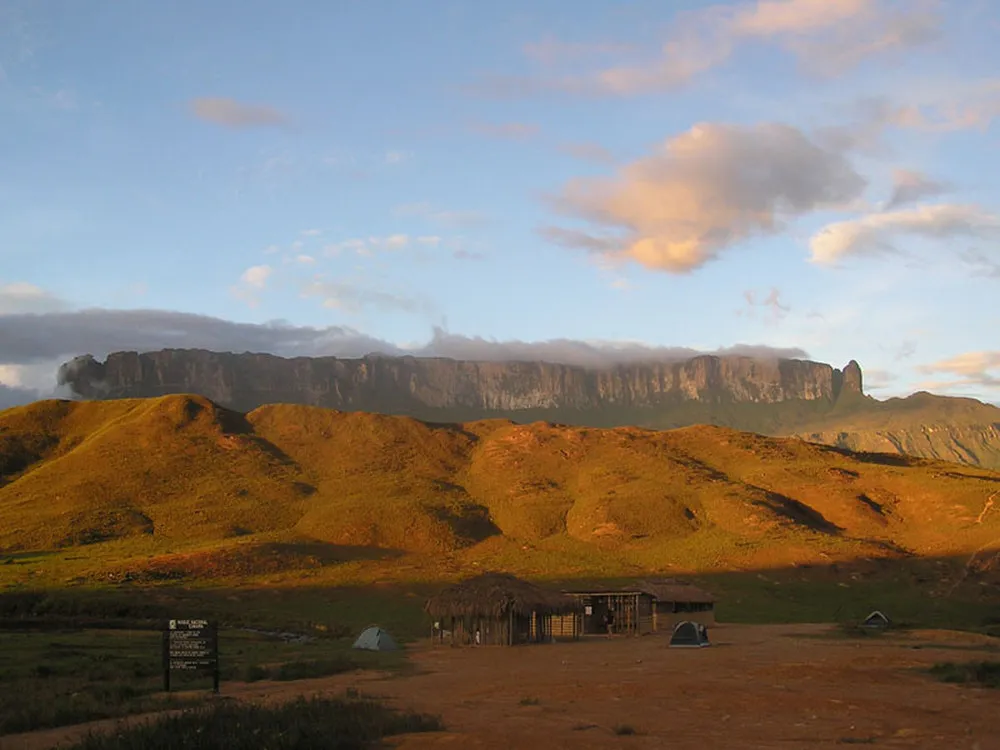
x=767, y=396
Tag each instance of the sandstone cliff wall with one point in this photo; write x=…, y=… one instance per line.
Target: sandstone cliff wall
x=405, y=384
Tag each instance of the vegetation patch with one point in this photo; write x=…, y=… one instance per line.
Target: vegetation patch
x=981, y=673
x=305, y=724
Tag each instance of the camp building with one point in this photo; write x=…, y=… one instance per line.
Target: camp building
x=651, y=606
x=498, y=609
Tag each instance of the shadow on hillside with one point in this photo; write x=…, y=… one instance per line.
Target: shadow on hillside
x=963, y=475
x=882, y=459
x=795, y=511
x=236, y=423
x=944, y=592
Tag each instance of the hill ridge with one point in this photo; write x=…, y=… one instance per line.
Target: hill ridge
x=181, y=472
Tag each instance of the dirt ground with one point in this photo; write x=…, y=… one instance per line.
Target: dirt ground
x=757, y=686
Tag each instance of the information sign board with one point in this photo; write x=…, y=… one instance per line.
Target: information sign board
x=190, y=646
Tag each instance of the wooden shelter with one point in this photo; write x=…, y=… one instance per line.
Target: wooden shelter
x=649, y=606
x=498, y=609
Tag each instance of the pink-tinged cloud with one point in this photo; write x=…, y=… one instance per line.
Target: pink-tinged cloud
x=826, y=36
x=878, y=233
x=702, y=192
x=233, y=114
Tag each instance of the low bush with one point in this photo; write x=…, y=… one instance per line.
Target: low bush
x=305, y=724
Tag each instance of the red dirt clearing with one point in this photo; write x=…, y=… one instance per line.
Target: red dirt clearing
x=755, y=687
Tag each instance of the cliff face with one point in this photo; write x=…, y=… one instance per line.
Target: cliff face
x=415, y=385
x=976, y=445
x=782, y=397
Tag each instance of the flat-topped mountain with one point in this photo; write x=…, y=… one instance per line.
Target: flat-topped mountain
x=771, y=397
x=419, y=386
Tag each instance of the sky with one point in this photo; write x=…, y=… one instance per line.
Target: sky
x=632, y=180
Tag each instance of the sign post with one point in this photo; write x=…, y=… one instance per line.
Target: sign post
x=190, y=646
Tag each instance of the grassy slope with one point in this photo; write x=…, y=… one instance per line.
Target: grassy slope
x=208, y=493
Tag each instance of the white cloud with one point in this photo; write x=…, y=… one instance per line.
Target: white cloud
x=703, y=191
x=252, y=282
x=877, y=234
x=256, y=276
x=429, y=240
x=879, y=380
x=305, y=259
x=354, y=298
x=971, y=371
x=39, y=340
x=311, y=232
x=22, y=297
x=394, y=241
x=354, y=244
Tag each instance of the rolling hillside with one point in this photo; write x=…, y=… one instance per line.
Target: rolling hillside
x=152, y=480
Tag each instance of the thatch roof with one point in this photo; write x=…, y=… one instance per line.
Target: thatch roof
x=671, y=590
x=495, y=595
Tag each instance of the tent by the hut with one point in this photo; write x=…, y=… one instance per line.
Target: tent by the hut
x=375, y=639
x=876, y=621
x=497, y=609
x=689, y=634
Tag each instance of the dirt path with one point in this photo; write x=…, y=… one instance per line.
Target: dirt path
x=756, y=687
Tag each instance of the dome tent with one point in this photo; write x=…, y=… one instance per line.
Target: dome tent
x=375, y=639
x=689, y=634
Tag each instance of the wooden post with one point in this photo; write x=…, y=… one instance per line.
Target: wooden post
x=166, y=661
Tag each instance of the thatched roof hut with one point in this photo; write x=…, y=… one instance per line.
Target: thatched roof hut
x=497, y=596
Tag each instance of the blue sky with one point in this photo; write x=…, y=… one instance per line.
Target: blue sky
x=795, y=176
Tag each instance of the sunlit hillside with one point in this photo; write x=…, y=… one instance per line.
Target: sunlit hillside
x=183, y=485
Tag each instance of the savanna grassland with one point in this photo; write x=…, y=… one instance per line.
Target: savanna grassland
x=116, y=514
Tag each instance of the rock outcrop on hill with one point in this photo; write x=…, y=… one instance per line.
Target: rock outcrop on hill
x=773, y=397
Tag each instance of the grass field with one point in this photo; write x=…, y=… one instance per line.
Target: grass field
x=73, y=655
x=52, y=677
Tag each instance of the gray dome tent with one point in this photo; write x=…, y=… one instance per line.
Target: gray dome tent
x=375, y=639
x=689, y=634
x=876, y=621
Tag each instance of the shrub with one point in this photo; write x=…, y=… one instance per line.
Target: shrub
x=305, y=724
x=983, y=673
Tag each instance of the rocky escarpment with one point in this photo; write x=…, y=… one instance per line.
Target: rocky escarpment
x=421, y=386
x=774, y=397
x=977, y=445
